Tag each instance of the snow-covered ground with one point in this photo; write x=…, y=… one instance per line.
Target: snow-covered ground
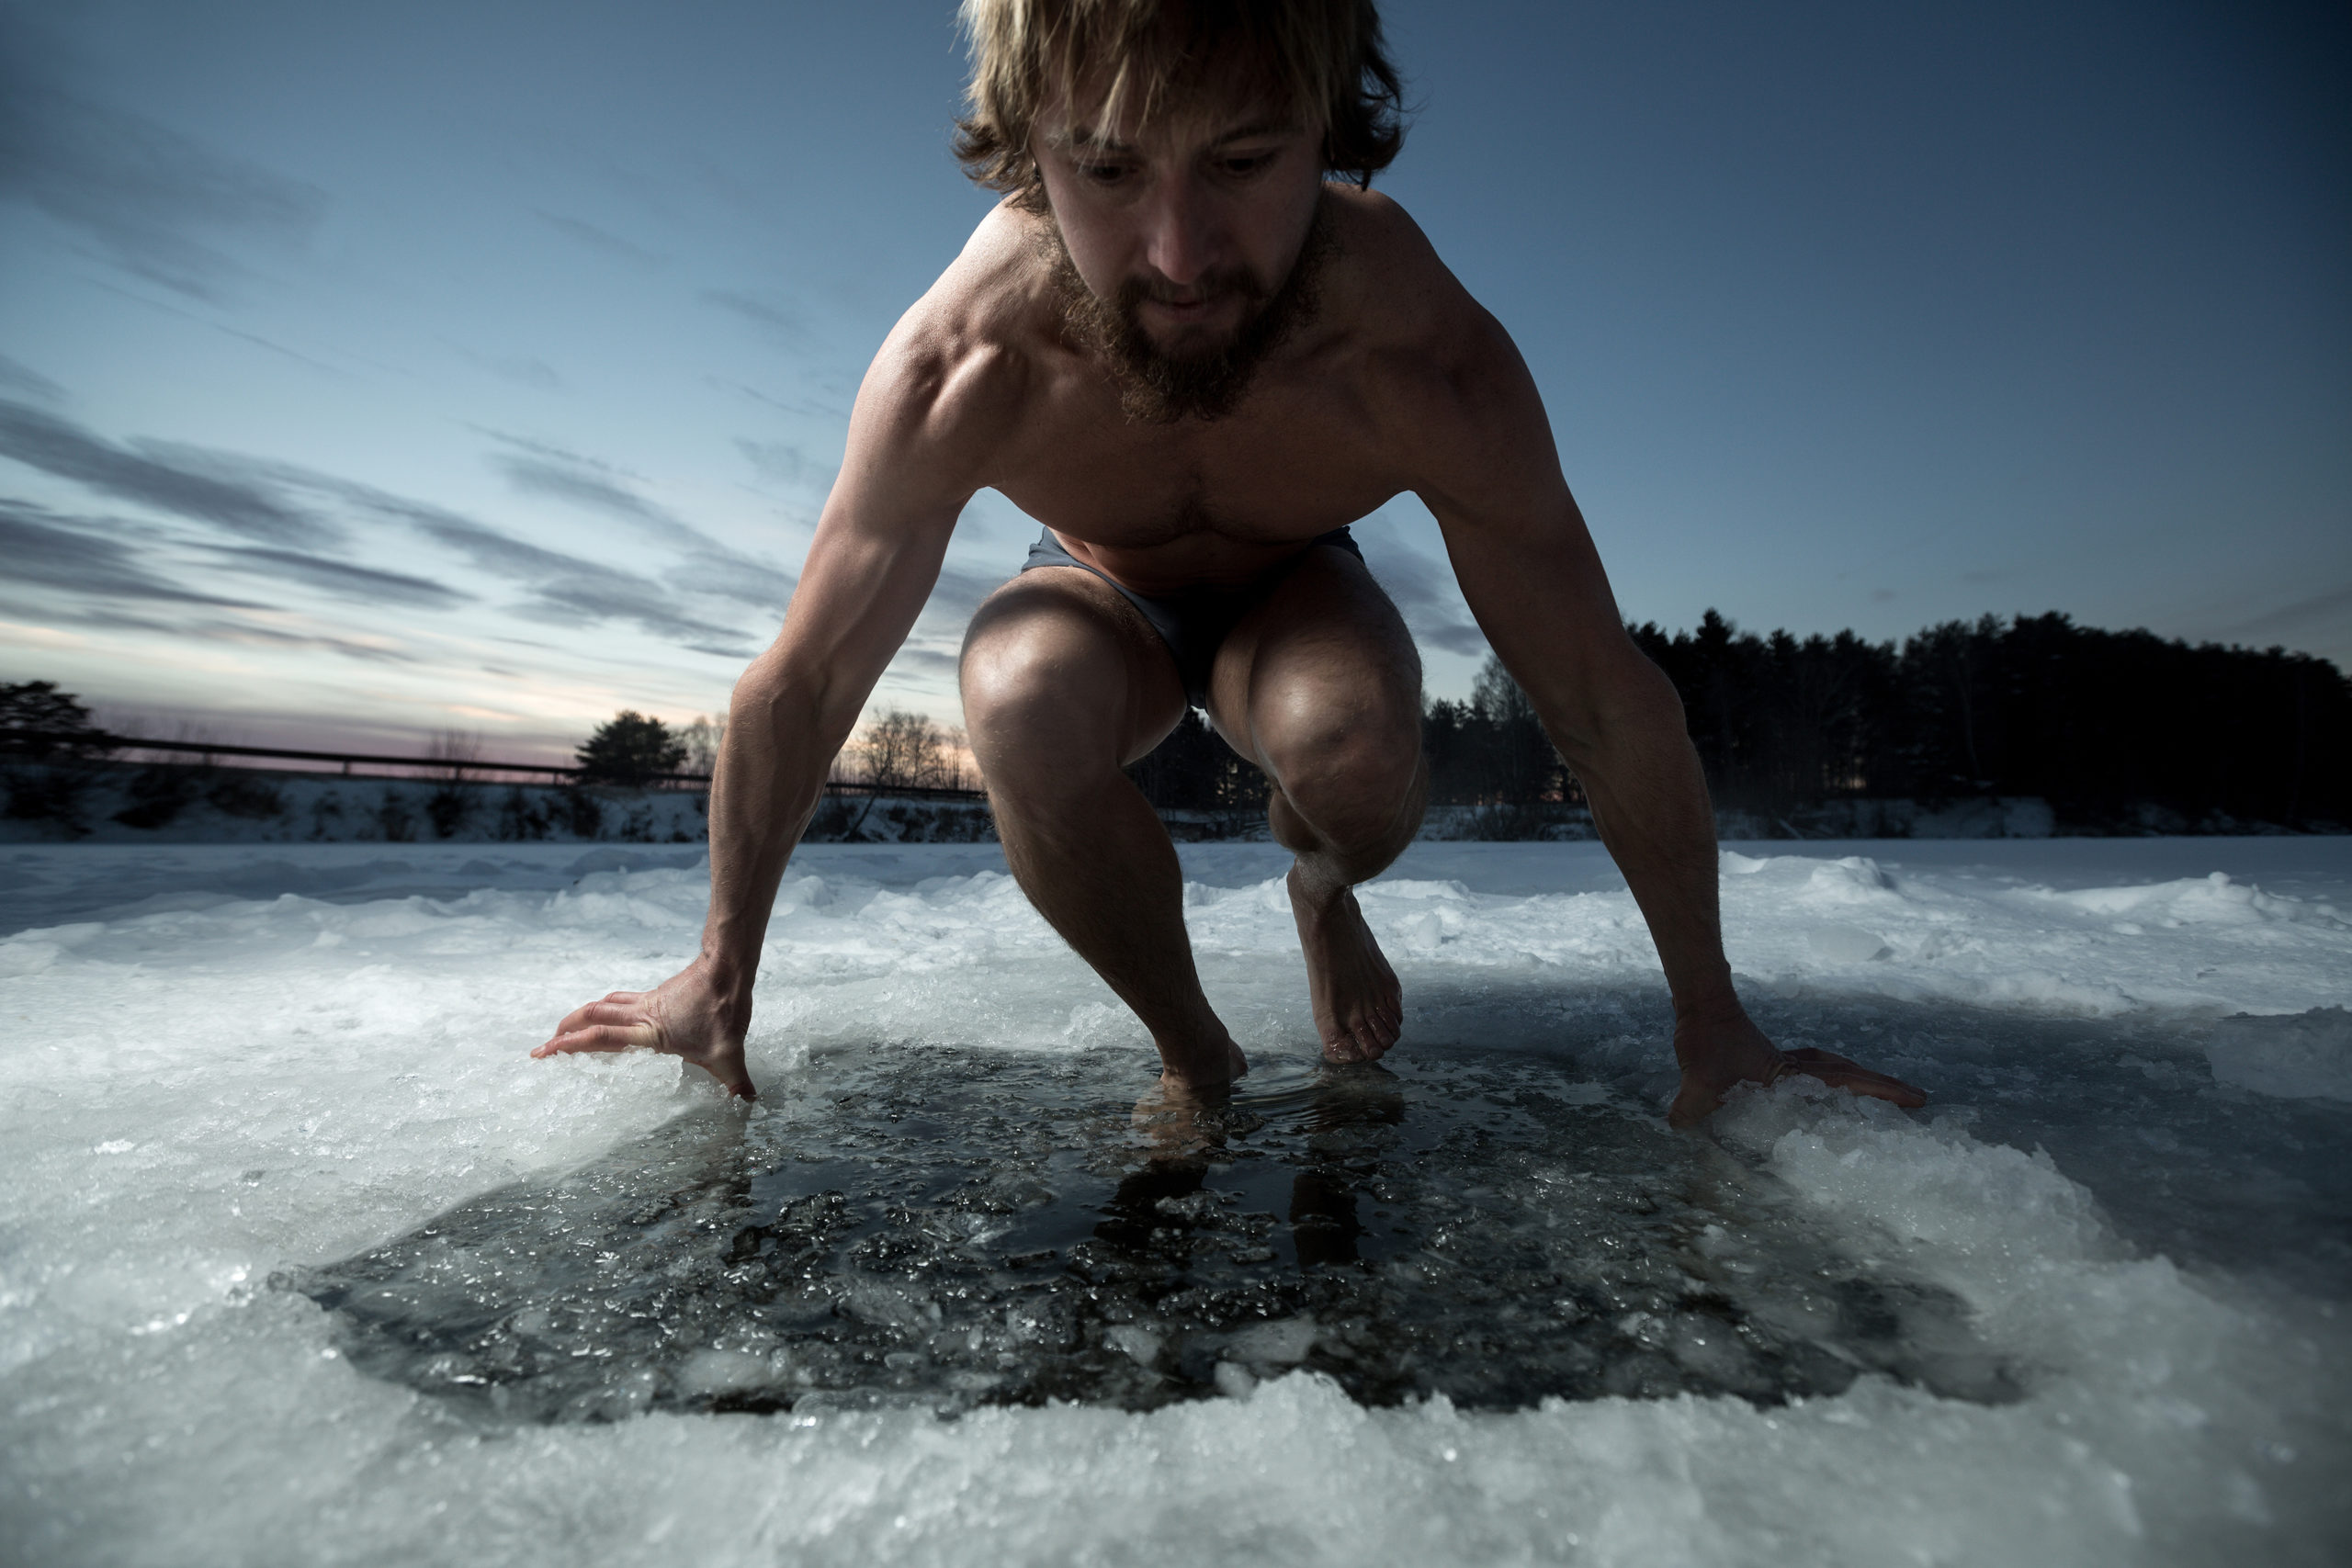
x=2089, y=1307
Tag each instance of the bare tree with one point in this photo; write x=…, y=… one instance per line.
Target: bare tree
x=958, y=749
x=453, y=753
x=901, y=750
x=702, y=738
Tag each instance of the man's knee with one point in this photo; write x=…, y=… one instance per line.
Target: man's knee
x=1349, y=762
x=1048, y=693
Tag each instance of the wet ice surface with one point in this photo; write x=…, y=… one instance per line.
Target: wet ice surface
x=962, y=1230
x=2088, y=1308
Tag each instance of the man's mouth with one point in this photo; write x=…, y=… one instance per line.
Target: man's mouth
x=1216, y=310
x=1193, y=309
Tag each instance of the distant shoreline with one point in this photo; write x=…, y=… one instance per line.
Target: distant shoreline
x=119, y=803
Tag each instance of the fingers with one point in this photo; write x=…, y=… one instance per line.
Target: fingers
x=603, y=1011
x=1698, y=1097
x=1842, y=1072
x=1877, y=1086
x=602, y=1037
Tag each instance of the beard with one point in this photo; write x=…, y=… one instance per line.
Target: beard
x=1162, y=386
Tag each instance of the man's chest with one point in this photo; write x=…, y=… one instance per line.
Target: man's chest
x=1292, y=462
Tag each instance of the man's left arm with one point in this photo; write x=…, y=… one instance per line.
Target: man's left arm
x=1528, y=568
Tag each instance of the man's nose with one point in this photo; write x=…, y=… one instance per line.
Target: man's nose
x=1183, y=236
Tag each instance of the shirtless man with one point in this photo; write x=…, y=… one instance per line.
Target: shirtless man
x=1195, y=345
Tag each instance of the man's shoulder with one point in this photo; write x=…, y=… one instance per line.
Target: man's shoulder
x=1428, y=344
x=970, y=344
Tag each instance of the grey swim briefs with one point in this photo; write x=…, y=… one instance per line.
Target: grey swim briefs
x=1193, y=621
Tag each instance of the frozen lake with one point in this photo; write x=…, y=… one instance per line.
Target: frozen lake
x=301, y=1259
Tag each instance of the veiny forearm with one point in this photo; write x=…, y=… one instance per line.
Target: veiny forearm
x=1649, y=801
x=771, y=774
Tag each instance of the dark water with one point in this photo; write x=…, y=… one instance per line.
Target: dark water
x=944, y=1228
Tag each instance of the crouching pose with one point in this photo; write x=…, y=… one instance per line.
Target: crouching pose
x=1195, y=345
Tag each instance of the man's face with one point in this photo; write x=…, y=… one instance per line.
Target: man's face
x=1184, y=236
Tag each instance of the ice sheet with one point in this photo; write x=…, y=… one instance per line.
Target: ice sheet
x=225, y=1065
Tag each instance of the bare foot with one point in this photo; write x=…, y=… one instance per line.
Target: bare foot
x=1170, y=1114
x=1359, y=1007
x=1206, y=1080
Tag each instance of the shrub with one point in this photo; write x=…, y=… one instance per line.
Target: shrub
x=587, y=814
x=447, y=807
x=394, y=818
x=240, y=792
x=47, y=795
x=519, y=816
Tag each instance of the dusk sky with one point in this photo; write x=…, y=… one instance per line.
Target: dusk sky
x=369, y=371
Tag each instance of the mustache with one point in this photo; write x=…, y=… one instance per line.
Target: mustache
x=1236, y=282
x=1199, y=379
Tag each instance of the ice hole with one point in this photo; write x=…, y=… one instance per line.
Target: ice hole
x=963, y=1227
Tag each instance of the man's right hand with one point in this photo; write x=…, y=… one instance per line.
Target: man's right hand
x=687, y=1015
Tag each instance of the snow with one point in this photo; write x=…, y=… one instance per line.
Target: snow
x=2087, y=1307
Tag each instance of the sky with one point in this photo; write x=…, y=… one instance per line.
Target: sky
x=369, y=372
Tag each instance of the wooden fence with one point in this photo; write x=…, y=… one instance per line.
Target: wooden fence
x=46, y=745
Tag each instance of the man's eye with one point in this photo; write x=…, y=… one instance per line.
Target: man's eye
x=1101, y=174
x=1249, y=165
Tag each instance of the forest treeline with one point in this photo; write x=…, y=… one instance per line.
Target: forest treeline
x=2115, y=730
x=2100, y=724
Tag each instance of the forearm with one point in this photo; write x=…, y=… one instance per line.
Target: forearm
x=771, y=774
x=1649, y=801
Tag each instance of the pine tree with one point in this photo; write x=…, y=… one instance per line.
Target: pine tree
x=629, y=748
x=37, y=708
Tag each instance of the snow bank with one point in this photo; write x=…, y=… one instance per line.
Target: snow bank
x=225, y=1064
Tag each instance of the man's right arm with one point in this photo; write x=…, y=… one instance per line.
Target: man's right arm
x=919, y=437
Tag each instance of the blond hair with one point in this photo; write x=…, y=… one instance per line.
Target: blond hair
x=1324, y=58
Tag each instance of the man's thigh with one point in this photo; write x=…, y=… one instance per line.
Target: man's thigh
x=1325, y=655
x=1059, y=668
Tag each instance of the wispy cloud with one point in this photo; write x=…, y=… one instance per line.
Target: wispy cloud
x=31, y=382
x=150, y=200
x=362, y=584
x=2326, y=617
x=522, y=369
x=591, y=486
x=782, y=322
x=170, y=480
x=957, y=594
x=710, y=566
x=566, y=589
x=810, y=407
x=46, y=549
x=1424, y=589
x=784, y=463
x=199, y=628
x=282, y=516
x=916, y=660
x=602, y=241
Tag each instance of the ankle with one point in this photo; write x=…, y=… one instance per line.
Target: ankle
x=1316, y=887
x=1205, y=1061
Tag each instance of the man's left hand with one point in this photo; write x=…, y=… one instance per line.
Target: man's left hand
x=1719, y=1051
